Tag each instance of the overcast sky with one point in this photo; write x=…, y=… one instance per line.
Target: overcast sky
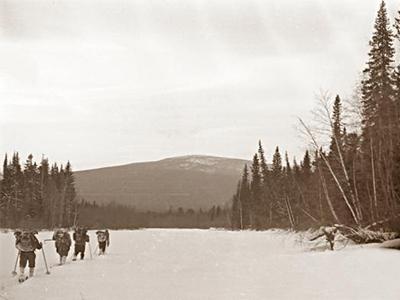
x=102, y=83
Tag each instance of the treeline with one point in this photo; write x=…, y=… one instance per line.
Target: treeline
x=353, y=181
x=44, y=196
x=115, y=216
x=41, y=196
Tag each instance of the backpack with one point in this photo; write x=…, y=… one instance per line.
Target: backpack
x=25, y=242
x=62, y=238
x=101, y=236
x=79, y=237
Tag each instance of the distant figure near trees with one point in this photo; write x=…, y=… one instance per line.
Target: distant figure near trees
x=26, y=242
x=80, y=237
x=329, y=232
x=103, y=237
x=63, y=243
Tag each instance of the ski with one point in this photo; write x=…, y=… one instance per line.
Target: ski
x=22, y=279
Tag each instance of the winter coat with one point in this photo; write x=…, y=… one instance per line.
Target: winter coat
x=63, y=242
x=102, y=237
x=80, y=237
x=329, y=233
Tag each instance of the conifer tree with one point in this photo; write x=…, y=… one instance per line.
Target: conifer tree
x=17, y=193
x=5, y=196
x=30, y=196
x=70, y=195
x=306, y=166
x=263, y=162
x=305, y=179
x=277, y=209
x=288, y=168
x=337, y=132
x=377, y=88
x=290, y=190
x=245, y=198
x=356, y=180
x=396, y=158
x=268, y=192
x=379, y=130
x=44, y=192
x=31, y=188
x=276, y=164
x=257, y=210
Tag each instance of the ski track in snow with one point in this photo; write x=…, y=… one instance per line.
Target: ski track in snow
x=206, y=264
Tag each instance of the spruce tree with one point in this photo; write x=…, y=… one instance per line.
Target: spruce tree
x=305, y=180
x=290, y=187
x=277, y=208
x=17, y=193
x=245, y=198
x=44, y=191
x=31, y=189
x=337, y=132
x=263, y=162
x=377, y=88
x=267, y=192
x=396, y=158
x=5, y=166
x=5, y=196
x=257, y=209
x=70, y=195
x=306, y=166
x=57, y=194
x=379, y=131
x=276, y=165
x=288, y=168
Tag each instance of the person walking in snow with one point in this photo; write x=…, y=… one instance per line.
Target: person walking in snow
x=329, y=232
x=80, y=237
x=26, y=242
x=63, y=244
x=103, y=237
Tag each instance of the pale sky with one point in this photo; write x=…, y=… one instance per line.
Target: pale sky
x=103, y=83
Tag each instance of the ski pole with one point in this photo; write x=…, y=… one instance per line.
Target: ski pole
x=14, y=272
x=45, y=261
x=90, y=251
x=95, y=249
x=48, y=240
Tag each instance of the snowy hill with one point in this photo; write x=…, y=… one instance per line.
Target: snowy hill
x=189, y=182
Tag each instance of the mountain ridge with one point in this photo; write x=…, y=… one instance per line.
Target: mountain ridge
x=189, y=181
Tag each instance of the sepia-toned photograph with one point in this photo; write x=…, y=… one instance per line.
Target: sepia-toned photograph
x=199, y=149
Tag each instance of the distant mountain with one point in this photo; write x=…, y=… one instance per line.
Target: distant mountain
x=189, y=182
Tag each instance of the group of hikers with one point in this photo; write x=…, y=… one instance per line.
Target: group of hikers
x=27, y=243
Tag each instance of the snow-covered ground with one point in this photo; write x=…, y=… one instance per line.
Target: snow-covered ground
x=207, y=264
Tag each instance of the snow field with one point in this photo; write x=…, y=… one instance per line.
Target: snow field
x=207, y=264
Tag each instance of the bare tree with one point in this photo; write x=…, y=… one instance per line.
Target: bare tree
x=328, y=165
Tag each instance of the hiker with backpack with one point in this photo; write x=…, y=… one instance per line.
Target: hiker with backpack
x=103, y=237
x=329, y=232
x=63, y=244
x=26, y=243
x=80, y=237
